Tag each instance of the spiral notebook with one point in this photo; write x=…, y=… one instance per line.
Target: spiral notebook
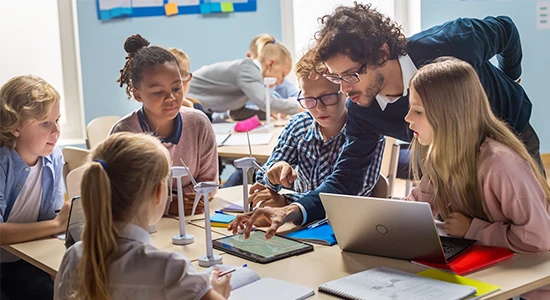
x=388, y=284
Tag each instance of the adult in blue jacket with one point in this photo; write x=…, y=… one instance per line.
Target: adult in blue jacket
x=368, y=55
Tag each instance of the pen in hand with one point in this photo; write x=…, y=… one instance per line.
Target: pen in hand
x=231, y=271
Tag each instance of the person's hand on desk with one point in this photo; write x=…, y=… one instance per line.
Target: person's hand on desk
x=260, y=194
x=274, y=217
x=63, y=216
x=457, y=224
x=282, y=173
x=220, y=285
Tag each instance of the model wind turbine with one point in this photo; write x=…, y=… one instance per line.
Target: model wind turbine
x=204, y=189
x=182, y=238
x=267, y=127
x=245, y=164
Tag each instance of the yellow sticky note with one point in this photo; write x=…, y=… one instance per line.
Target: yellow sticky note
x=171, y=8
x=227, y=7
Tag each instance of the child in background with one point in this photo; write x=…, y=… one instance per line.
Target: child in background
x=152, y=76
x=309, y=146
x=230, y=85
x=284, y=90
x=185, y=70
x=31, y=187
x=476, y=173
x=124, y=190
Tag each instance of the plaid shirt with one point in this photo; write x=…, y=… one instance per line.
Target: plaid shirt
x=301, y=145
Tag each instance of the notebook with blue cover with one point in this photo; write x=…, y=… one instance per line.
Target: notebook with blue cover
x=323, y=235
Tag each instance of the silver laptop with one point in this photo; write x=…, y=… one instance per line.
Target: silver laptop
x=391, y=228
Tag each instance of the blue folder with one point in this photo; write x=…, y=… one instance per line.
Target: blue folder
x=323, y=235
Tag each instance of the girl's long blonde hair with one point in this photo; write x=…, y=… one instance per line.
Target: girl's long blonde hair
x=24, y=98
x=125, y=170
x=459, y=112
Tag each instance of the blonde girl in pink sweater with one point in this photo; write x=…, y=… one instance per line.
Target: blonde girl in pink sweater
x=475, y=172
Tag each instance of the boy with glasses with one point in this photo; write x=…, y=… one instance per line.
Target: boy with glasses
x=309, y=146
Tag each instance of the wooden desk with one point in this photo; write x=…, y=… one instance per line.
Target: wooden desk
x=518, y=275
x=515, y=276
x=46, y=254
x=260, y=152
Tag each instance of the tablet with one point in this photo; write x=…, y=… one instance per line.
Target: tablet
x=75, y=223
x=258, y=249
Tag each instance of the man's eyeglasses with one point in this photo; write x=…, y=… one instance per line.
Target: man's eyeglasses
x=311, y=102
x=349, y=78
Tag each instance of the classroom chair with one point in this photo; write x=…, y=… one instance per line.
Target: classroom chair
x=399, y=165
x=73, y=181
x=74, y=158
x=98, y=129
x=381, y=188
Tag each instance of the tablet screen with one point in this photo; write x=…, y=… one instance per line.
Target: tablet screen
x=257, y=248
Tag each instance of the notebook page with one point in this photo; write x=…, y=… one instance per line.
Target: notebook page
x=388, y=284
x=272, y=289
x=242, y=140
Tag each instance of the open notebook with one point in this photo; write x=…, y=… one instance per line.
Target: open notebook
x=247, y=285
x=388, y=284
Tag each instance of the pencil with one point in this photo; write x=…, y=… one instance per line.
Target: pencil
x=232, y=270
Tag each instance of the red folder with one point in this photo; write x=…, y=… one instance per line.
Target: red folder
x=473, y=259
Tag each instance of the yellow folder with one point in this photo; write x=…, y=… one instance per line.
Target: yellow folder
x=482, y=287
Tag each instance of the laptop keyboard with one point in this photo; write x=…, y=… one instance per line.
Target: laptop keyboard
x=450, y=249
x=453, y=246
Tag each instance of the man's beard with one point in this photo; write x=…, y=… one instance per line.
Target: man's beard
x=368, y=97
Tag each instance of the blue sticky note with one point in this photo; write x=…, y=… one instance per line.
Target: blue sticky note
x=116, y=12
x=216, y=7
x=222, y=218
x=206, y=8
x=126, y=11
x=104, y=15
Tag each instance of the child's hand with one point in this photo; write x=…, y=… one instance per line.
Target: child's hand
x=282, y=173
x=63, y=216
x=267, y=197
x=457, y=224
x=220, y=284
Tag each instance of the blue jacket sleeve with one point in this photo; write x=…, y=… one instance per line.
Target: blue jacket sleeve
x=477, y=41
x=349, y=173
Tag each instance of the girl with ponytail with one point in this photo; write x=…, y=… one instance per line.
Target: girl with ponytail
x=124, y=190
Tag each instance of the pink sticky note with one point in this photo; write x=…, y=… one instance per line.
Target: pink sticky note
x=248, y=124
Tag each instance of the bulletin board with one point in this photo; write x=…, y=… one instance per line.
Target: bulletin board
x=110, y=9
